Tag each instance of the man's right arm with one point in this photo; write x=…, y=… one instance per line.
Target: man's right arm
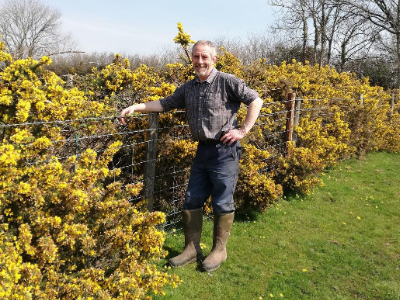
x=153, y=106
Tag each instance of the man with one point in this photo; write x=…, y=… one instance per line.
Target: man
x=211, y=101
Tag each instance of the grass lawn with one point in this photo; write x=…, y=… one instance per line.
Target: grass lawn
x=340, y=242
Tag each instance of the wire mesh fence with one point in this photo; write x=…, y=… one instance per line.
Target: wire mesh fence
x=146, y=156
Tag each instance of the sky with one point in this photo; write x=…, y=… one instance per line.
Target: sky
x=149, y=26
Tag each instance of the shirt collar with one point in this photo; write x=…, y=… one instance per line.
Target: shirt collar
x=210, y=77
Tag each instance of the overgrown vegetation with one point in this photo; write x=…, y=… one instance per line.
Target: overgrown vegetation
x=68, y=230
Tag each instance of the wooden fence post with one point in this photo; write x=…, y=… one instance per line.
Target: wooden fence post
x=296, y=121
x=289, y=119
x=392, y=105
x=297, y=109
x=151, y=156
x=361, y=99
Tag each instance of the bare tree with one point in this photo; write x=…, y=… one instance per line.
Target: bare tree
x=30, y=28
x=335, y=33
x=385, y=16
x=294, y=20
x=300, y=15
x=356, y=40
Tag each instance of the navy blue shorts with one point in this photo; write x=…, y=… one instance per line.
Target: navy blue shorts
x=214, y=173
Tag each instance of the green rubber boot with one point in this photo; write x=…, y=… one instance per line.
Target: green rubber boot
x=222, y=228
x=192, y=226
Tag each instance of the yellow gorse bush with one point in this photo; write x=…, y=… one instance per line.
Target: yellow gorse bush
x=184, y=39
x=67, y=229
x=64, y=231
x=334, y=123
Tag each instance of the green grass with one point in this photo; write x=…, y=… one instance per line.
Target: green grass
x=341, y=242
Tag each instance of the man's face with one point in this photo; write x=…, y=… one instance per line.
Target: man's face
x=203, y=61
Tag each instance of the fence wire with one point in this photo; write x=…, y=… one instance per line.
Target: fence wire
x=165, y=173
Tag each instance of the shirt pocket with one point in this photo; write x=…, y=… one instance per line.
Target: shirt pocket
x=214, y=106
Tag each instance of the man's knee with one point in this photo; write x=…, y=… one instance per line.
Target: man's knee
x=193, y=202
x=223, y=207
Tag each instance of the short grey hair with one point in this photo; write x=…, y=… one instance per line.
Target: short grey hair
x=210, y=44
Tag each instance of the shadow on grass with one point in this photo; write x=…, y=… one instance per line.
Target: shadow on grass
x=246, y=216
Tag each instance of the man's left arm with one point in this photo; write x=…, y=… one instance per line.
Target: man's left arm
x=252, y=114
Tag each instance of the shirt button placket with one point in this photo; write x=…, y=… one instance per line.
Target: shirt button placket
x=200, y=105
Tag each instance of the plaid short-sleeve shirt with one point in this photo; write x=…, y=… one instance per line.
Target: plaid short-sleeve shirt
x=211, y=106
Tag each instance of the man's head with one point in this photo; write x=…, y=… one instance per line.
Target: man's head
x=204, y=55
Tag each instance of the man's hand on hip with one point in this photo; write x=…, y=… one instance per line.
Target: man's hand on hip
x=232, y=136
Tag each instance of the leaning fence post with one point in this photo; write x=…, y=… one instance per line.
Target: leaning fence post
x=289, y=120
x=151, y=155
